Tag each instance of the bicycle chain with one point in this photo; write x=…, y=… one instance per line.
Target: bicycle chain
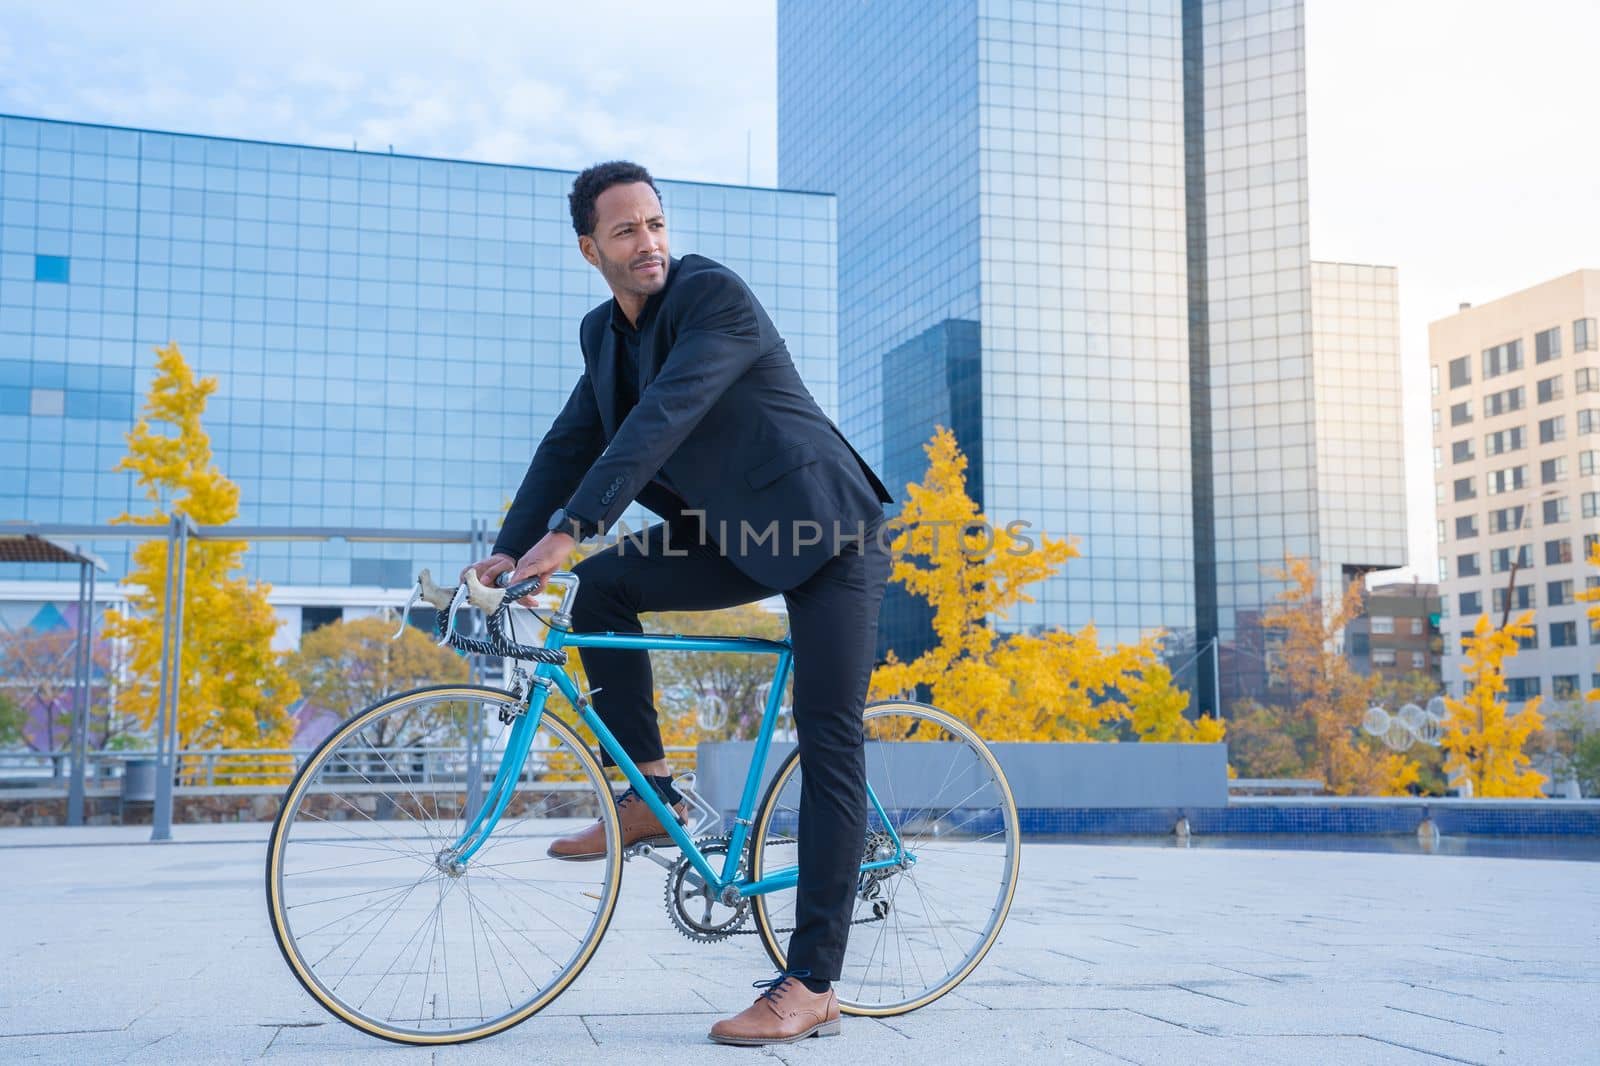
x=876, y=907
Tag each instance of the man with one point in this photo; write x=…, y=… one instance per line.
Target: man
x=690, y=403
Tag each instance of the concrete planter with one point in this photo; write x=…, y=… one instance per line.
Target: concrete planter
x=1083, y=775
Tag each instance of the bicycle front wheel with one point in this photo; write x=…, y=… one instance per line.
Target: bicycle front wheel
x=374, y=918
x=918, y=927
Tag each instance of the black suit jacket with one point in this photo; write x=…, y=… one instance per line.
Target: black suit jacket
x=722, y=412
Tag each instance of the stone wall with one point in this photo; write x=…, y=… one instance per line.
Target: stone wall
x=243, y=804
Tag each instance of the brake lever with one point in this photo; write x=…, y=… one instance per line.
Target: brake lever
x=450, y=619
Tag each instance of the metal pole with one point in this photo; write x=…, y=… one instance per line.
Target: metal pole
x=1216, y=677
x=172, y=678
x=475, y=723
x=88, y=661
x=160, y=830
x=80, y=701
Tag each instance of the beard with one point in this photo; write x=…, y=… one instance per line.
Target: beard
x=621, y=276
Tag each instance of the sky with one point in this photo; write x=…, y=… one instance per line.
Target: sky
x=1453, y=139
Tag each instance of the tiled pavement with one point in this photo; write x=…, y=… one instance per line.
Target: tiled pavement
x=112, y=950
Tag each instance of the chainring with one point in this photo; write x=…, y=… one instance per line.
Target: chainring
x=692, y=909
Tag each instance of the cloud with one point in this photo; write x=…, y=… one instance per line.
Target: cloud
x=676, y=87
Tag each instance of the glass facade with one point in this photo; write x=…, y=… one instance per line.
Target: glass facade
x=1361, y=492
x=1247, y=71
x=391, y=335
x=1113, y=197
x=1011, y=217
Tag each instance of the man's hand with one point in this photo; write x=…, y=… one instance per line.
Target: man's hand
x=490, y=568
x=543, y=559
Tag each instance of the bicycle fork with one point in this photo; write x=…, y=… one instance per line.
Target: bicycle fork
x=453, y=858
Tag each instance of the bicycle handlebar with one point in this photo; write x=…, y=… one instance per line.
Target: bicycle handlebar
x=493, y=603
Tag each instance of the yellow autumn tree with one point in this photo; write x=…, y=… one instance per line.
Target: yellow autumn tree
x=1156, y=708
x=233, y=692
x=740, y=680
x=1483, y=742
x=347, y=666
x=1591, y=595
x=1052, y=685
x=1329, y=695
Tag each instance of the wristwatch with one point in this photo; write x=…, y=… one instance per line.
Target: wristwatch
x=576, y=527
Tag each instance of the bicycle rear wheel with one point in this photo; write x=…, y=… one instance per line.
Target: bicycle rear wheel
x=918, y=929
x=376, y=922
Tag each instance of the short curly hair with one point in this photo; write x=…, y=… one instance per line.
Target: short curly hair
x=587, y=187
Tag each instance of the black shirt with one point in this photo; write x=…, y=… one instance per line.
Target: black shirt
x=628, y=363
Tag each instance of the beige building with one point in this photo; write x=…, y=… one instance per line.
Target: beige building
x=1516, y=459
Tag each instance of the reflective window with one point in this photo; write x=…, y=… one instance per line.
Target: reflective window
x=1583, y=335
x=1507, y=480
x=1522, y=599
x=1504, y=440
x=1506, y=518
x=1547, y=345
x=1499, y=403
x=52, y=268
x=1521, y=689
x=1502, y=359
x=1501, y=559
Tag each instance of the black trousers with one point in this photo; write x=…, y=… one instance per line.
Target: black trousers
x=833, y=625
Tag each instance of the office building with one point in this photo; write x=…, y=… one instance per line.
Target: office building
x=391, y=335
x=1516, y=458
x=1077, y=233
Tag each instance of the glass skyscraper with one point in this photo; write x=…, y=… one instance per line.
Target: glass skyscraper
x=1011, y=216
x=391, y=334
x=1086, y=222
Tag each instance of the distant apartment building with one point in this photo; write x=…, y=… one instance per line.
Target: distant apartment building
x=1398, y=634
x=1516, y=458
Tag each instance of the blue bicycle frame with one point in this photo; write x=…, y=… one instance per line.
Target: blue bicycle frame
x=521, y=740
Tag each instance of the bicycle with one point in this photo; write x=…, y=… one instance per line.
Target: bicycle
x=420, y=907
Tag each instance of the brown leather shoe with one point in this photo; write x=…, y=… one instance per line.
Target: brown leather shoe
x=637, y=825
x=786, y=1012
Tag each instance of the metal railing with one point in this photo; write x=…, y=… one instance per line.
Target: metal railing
x=267, y=768
x=1249, y=786
x=179, y=531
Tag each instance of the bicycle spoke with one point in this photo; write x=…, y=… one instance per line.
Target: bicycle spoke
x=938, y=913
x=444, y=950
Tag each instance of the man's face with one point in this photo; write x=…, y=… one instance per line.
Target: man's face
x=629, y=243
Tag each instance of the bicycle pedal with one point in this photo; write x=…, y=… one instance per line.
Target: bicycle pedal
x=647, y=851
x=709, y=818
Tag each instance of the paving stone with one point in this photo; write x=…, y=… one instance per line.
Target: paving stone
x=113, y=949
